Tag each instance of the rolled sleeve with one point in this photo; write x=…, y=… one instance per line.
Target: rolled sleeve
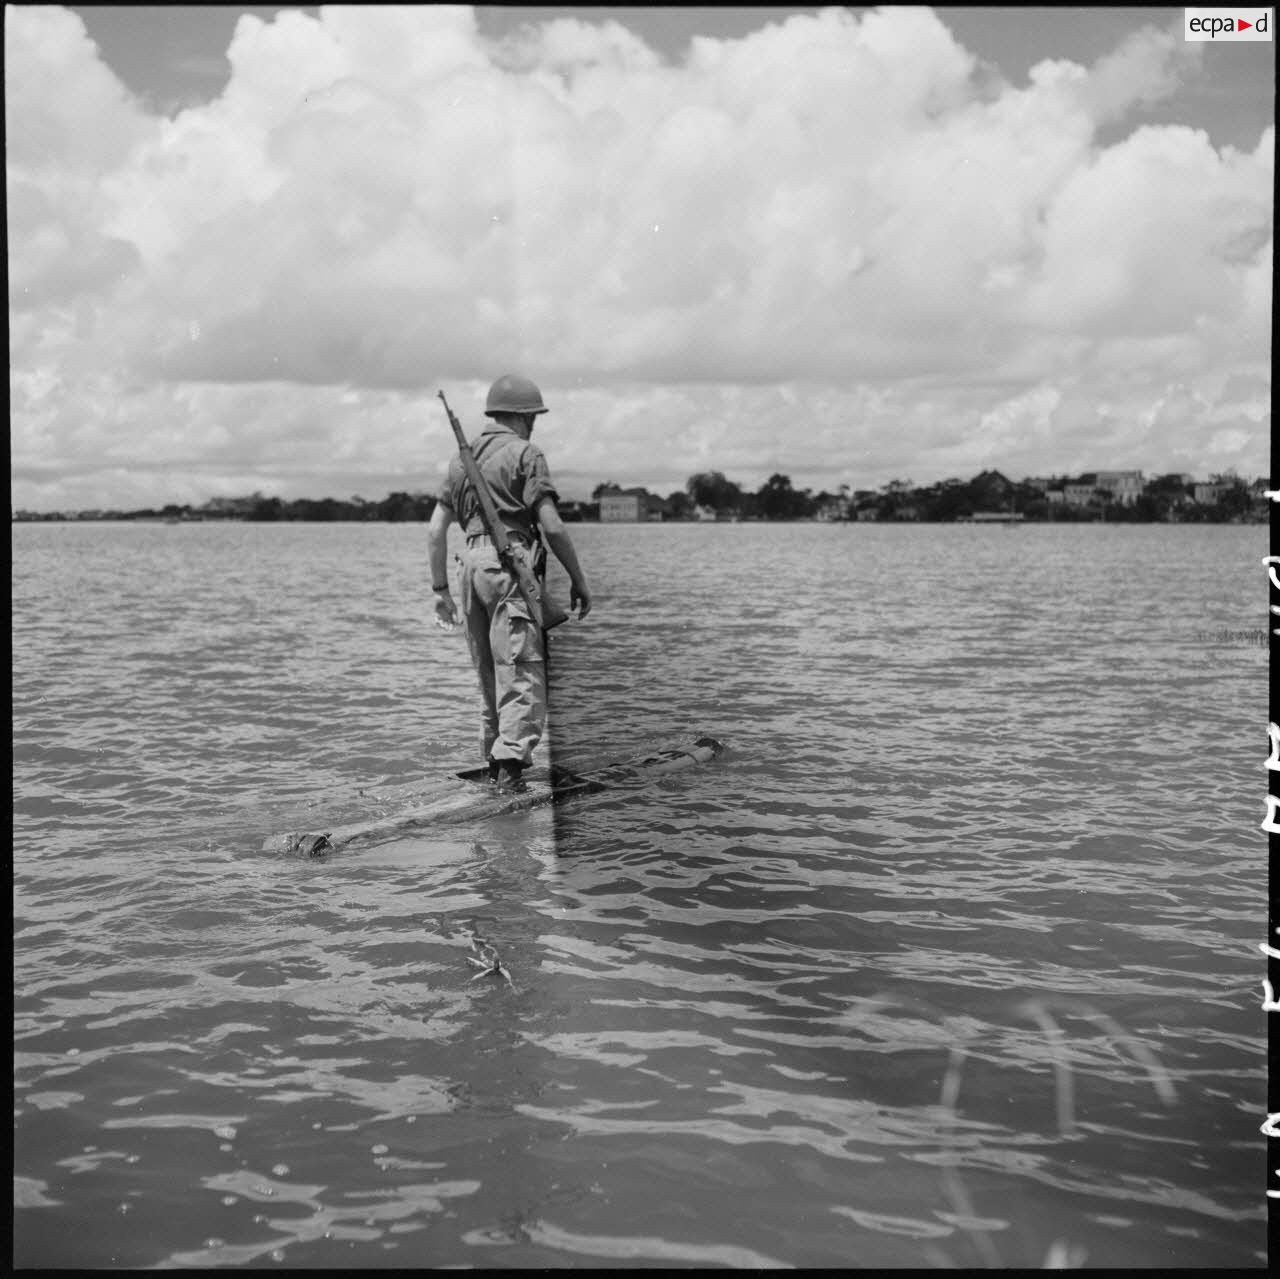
x=537, y=479
x=445, y=493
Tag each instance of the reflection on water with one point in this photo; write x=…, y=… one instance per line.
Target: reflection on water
x=950, y=960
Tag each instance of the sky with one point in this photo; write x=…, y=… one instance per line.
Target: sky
x=248, y=245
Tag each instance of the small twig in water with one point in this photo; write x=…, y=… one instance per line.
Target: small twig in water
x=486, y=958
x=490, y=965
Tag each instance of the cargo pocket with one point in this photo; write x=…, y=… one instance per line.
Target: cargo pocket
x=516, y=641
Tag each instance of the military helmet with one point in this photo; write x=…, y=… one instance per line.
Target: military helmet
x=512, y=393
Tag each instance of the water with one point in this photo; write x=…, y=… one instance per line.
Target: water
x=951, y=961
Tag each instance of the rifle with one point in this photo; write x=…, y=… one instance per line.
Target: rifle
x=544, y=611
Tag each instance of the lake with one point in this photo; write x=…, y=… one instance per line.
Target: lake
x=951, y=960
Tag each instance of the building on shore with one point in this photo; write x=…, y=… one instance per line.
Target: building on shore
x=1125, y=487
x=1208, y=494
x=622, y=508
x=834, y=508
x=631, y=506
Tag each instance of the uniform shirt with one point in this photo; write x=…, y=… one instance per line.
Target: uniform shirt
x=518, y=478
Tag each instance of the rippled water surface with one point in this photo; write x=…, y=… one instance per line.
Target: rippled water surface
x=950, y=961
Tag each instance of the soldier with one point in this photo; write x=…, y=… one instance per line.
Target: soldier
x=508, y=649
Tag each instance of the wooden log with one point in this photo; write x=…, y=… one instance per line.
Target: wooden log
x=479, y=801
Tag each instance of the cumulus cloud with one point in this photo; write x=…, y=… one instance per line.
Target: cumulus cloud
x=1146, y=67
x=57, y=155
x=830, y=247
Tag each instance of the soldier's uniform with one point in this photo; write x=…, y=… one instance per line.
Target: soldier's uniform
x=507, y=647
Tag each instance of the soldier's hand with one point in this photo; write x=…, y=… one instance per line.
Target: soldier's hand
x=446, y=613
x=580, y=598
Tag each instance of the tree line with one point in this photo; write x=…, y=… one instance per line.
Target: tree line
x=395, y=508
x=1164, y=498
x=775, y=499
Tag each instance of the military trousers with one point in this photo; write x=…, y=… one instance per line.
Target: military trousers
x=509, y=654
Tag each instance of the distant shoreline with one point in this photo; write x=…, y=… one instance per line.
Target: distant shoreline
x=1058, y=521
x=1120, y=497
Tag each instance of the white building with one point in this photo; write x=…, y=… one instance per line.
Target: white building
x=631, y=506
x=1125, y=487
x=835, y=508
x=1208, y=494
x=1082, y=491
x=621, y=508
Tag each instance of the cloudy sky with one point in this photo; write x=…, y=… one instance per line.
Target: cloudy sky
x=247, y=246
